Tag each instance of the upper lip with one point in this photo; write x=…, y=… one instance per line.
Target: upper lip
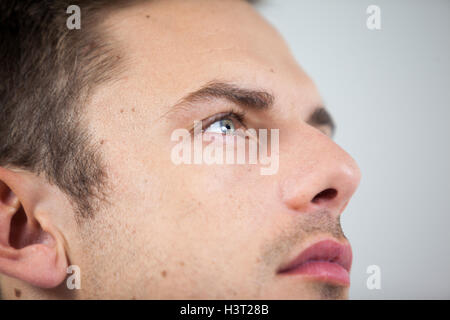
x=326, y=250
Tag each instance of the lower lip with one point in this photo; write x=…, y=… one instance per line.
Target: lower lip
x=322, y=271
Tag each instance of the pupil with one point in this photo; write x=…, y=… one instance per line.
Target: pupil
x=226, y=126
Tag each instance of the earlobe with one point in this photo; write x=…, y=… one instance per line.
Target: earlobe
x=31, y=249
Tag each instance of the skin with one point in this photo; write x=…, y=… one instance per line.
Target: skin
x=188, y=231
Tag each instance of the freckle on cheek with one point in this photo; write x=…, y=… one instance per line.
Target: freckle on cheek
x=164, y=273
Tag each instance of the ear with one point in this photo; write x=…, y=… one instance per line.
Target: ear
x=31, y=247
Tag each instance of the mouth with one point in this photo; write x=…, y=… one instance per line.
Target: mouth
x=325, y=261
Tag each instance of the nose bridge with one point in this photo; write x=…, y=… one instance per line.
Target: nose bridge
x=318, y=173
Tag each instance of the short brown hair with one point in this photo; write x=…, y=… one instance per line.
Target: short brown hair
x=47, y=73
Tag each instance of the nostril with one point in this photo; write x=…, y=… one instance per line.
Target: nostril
x=325, y=195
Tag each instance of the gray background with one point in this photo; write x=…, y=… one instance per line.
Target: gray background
x=389, y=92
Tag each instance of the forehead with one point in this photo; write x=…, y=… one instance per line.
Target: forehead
x=175, y=46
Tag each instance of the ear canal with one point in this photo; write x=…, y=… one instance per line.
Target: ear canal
x=24, y=232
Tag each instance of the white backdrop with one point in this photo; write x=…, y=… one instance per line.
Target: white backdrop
x=389, y=92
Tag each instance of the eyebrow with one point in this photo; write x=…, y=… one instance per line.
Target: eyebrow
x=250, y=99
x=258, y=100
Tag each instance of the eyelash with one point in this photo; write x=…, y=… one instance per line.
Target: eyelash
x=237, y=115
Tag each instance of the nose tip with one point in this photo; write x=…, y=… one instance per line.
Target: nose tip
x=329, y=186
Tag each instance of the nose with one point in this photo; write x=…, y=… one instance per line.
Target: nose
x=319, y=175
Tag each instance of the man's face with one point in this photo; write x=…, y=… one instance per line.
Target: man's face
x=208, y=231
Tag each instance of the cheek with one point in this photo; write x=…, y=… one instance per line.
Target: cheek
x=218, y=209
x=187, y=224
x=220, y=192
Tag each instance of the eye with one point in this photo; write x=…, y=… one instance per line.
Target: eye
x=224, y=126
x=224, y=123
